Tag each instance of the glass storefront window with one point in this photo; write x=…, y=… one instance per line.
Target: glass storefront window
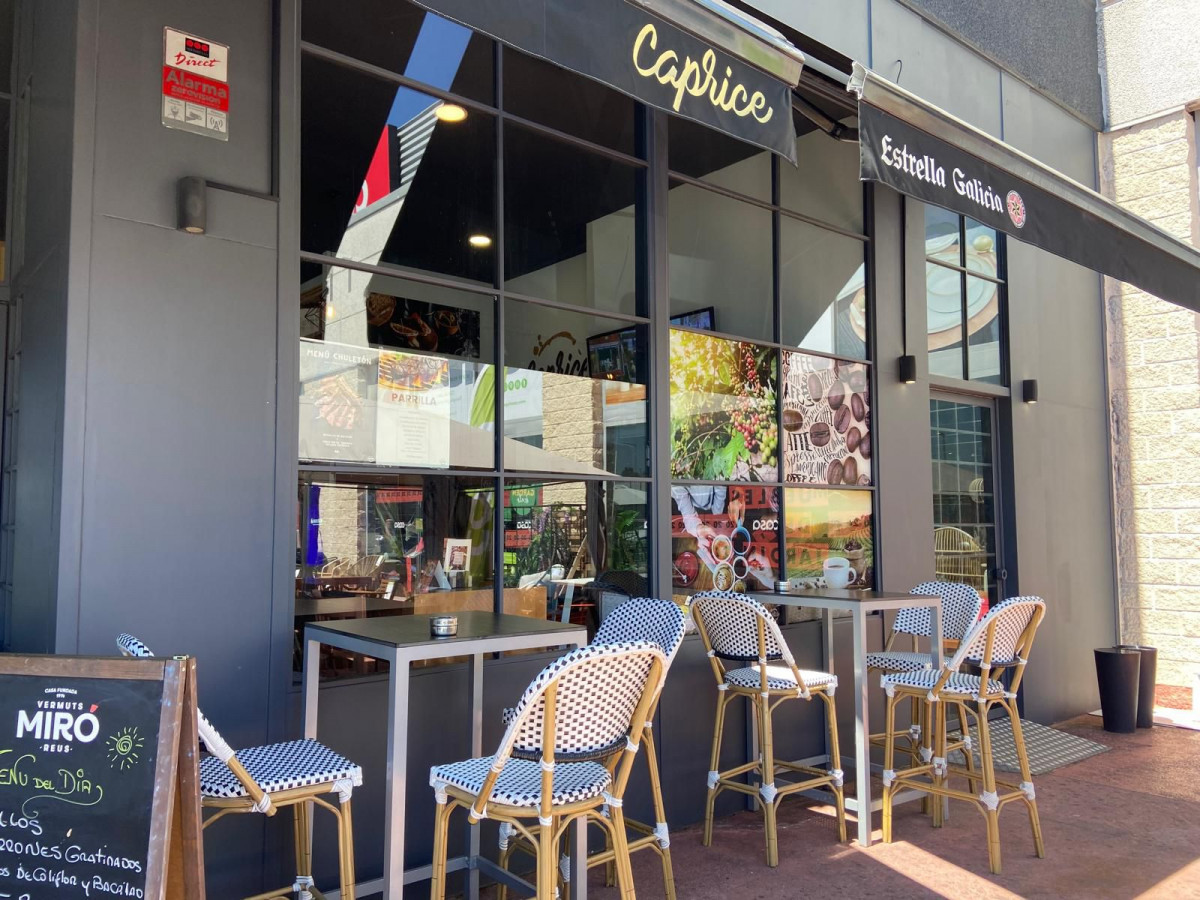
x=823, y=286
x=576, y=402
x=826, y=421
x=828, y=537
x=388, y=182
x=710, y=156
x=723, y=409
x=943, y=320
x=407, y=40
x=824, y=185
x=390, y=545
x=983, y=350
x=560, y=535
x=569, y=223
x=720, y=257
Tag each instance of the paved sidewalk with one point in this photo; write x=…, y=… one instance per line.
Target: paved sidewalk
x=1122, y=824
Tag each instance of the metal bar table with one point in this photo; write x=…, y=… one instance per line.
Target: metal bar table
x=403, y=640
x=860, y=604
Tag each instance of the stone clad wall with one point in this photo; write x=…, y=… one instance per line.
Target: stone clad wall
x=1154, y=369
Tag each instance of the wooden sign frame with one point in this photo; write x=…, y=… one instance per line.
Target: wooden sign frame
x=175, y=855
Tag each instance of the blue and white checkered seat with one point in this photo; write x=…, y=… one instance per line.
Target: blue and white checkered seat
x=779, y=678
x=961, y=605
x=520, y=781
x=279, y=767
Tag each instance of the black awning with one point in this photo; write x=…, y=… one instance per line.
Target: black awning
x=694, y=58
x=925, y=152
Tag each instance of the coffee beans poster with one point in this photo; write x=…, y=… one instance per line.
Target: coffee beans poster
x=826, y=421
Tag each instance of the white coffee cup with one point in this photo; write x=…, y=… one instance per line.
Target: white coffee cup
x=838, y=572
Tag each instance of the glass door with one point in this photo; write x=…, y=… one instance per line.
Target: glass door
x=965, y=511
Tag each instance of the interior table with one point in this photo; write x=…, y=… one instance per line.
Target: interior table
x=859, y=604
x=403, y=640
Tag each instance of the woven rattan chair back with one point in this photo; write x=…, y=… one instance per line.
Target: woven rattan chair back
x=596, y=690
x=961, y=605
x=1003, y=637
x=660, y=622
x=730, y=628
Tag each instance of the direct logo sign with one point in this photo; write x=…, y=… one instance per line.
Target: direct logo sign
x=58, y=723
x=195, y=85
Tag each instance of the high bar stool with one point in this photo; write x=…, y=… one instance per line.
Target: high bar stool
x=265, y=779
x=1003, y=638
x=961, y=606
x=589, y=705
x=660, y=622
x=738, y=629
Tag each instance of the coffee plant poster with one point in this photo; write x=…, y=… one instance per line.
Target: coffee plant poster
x=826, y=421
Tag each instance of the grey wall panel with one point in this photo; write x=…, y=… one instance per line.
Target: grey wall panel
x=935, y=66
x=1048, y=133
x=45, y=54
x=130, y=136
x=1051, y=43
x=1149, y=57
x=1061, y=475
x=841, y=26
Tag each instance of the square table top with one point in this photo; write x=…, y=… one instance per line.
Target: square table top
x=413, y=630
x=842, y=598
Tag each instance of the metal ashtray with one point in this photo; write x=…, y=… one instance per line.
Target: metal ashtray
x=781, y=587
x=443, y=626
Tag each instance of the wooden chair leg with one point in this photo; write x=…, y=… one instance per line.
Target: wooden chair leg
x=547, y=862
x=300, y=818
x=767, y=790
x=621, y=848
x=889, y=762
x=914, y=742
x=346, y=850
x=835, y=762
x=991, y=812
x=714, y=766
x=505, y=855
x=964, y=727
x=1026, y=778
x=937, y=716
x=660, y=813
x=441, y=825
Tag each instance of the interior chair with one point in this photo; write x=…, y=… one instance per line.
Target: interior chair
x=739, y=630
x=961, y=606
x=583, y=717
x=659, y=622
x=1002, y=639
x=265, y=779
x=613, y=587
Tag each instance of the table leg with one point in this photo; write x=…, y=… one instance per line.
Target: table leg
x=471, y=887
x=938, y=654
x=312, y=679
x=397, y=775
x=862, y=730
x=568, y=599
x=827, y=666
x=579, y=868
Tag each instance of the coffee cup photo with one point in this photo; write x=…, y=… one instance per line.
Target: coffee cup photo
x=839, y=573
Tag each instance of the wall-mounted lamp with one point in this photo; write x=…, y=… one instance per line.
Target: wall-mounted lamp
x=192, y=204
x=908, y=369
x=1029, y=390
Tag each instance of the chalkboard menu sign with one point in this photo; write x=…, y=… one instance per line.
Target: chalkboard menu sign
x=89, y=757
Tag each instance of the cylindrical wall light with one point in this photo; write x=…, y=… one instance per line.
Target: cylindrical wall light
x=908, y=369
x=192, y=202
x=1029, y=390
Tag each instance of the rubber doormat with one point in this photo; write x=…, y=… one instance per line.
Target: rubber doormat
x=1048, y=748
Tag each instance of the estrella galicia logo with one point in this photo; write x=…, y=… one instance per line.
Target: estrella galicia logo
x=1016, y=208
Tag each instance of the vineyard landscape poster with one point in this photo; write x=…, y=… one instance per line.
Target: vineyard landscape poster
x=826, y=421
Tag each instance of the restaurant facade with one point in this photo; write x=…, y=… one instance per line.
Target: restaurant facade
x=320, y=310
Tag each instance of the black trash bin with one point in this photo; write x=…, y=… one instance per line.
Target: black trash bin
x=1147, y=675
x=1117, y=671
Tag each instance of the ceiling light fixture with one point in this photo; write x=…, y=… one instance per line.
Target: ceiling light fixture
x=450, y=112
x=479, y=241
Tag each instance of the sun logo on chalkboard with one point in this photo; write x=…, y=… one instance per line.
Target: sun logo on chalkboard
x=122, y=748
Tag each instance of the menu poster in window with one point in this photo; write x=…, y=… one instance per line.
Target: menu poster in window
x=724, y=537
x=414, y=410
x=826, y=421
x=419, y=325
x=337, y=401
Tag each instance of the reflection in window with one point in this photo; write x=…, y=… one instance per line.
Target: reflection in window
x=723, y=417
x=828, y=538
x=823, y=288
x=407, y=40
x=724, y=537
x=390, y=545
x=560, y=535
x=388, y=181
x=943, y=320
x=720, y=256
x=395, y=372
x=577, y=401
x=825, y=184
x=712, y=156
x=983, y=351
